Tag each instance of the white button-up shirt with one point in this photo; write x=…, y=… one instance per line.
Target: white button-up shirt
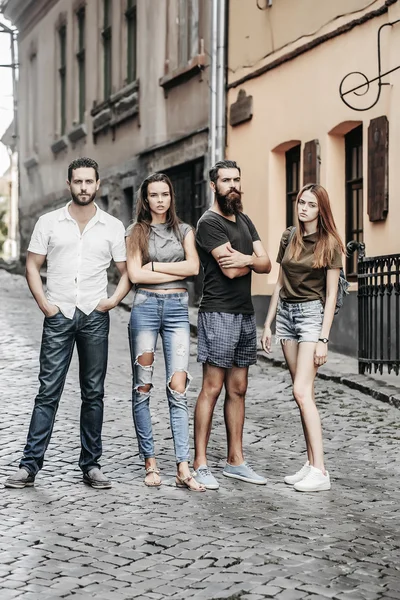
x=77, y=263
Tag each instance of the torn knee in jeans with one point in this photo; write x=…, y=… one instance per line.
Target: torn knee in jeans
x=144, y=389
x=144, y=364
x=179, y=382
x=145, y=359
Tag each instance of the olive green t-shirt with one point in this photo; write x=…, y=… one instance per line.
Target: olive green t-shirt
x=301, y=281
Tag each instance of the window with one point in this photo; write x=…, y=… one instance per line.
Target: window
x=62, y=35
x=188, y=31
x=292, y=182
x=104, y=203
x=127, y=206
x=81, y=64
x=354, y=194
x=190, y=201
x=107, y=48
x=32, y=136
x=131, y=24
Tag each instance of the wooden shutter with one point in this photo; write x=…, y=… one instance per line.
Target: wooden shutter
x=378, y=169
x=311, y=162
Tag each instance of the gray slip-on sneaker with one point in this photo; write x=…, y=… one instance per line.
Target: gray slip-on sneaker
x=243, y=472
x=22, y=478
x=204, y=476
x=96, y=479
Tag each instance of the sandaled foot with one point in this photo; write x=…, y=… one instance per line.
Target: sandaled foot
x=190, y=483
x=152, y=478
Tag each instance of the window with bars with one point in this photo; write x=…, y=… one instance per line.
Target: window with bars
x=131, y=24
x=80, y=56
x=62, y=36
x=354, y=194
x=292, y=182
x=107, y=48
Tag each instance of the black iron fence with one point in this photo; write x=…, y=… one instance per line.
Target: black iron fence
x=378, y=311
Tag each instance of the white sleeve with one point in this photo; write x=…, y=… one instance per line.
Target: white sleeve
x=118, y=250
x=39, y=240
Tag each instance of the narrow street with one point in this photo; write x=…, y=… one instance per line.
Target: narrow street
x=62, y=539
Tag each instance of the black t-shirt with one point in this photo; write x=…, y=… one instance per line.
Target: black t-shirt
x=221, y=294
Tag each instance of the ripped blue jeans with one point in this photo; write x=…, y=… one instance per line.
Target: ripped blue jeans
x=167, y=315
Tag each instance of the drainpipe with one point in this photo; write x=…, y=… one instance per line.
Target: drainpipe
x=213, y=82
x=217, y=83
x=221, y=101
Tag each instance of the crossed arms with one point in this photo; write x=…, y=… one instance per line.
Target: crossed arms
x=234, y=264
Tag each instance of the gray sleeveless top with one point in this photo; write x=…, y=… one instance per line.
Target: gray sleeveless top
x=164, y=246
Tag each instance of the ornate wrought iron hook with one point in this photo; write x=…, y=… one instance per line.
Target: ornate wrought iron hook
x=357, y=90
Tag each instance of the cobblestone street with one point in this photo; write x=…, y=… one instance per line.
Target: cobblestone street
x=61, y=539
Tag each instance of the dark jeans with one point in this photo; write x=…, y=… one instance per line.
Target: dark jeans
x=90, y=333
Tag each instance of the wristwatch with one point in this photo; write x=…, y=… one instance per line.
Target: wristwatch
x=325, y=340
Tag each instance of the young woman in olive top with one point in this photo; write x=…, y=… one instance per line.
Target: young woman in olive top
x=161, y=256
x=304, y=301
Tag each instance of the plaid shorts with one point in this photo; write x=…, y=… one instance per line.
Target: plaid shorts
x=226, y=340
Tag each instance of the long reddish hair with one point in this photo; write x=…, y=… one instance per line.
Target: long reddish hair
x=328, y=238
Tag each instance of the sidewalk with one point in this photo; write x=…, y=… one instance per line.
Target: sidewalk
x=339, y=368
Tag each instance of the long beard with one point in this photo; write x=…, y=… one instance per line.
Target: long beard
x=85, y=202
x=230, y=203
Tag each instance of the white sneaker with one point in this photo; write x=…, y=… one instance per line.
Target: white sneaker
x=315, y=481
x=292, y=479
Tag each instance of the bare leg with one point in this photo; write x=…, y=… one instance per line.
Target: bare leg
x=213, y=380
x=290, y=350
x=303, y=391
x=234, y=411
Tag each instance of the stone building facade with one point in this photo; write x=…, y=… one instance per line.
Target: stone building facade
x=122, y=81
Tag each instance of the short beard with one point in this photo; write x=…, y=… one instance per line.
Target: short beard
x=229, y=206
x=79, y=202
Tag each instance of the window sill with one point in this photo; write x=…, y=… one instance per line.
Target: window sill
x=98, y=108
x=77, y=133
x=118, y=108
x=194, y=67
x=31, y=162
x=59, y=145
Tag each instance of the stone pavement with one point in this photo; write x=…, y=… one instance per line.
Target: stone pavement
x=62, y=539
x=339, y=368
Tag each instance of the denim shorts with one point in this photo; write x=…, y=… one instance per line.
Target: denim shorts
x=299, y=321
x=226, y=340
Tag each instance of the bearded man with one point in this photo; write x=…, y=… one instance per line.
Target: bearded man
x=79, y=241
x=229, y=248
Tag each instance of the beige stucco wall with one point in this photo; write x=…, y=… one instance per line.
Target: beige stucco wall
x=256, y=34
x=300, y=101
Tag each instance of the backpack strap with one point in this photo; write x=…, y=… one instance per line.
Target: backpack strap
x=291, y=235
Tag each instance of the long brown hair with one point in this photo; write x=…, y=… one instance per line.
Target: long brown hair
x=328, y=238
x=139, y=237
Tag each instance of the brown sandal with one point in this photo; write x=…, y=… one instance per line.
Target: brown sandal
x=183, y=482
x=154, y=471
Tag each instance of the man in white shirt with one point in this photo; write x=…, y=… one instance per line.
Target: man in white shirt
x=79, y=241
